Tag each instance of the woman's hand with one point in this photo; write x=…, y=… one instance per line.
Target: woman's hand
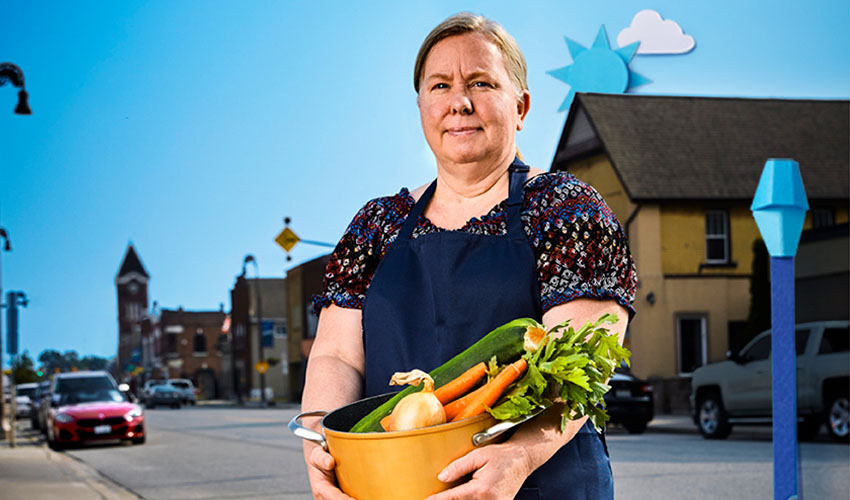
x=498, y=472
x=320, y=470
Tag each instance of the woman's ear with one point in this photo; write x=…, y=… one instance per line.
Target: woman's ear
x=522, y=107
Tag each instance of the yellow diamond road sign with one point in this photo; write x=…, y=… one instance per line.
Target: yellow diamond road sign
x=287, y=239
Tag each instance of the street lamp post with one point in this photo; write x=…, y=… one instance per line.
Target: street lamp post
x=261, y=351
x=13, y=300
x=7, y=247
x=10, y=73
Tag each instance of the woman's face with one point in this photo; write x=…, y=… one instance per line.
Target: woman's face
x=469, y=108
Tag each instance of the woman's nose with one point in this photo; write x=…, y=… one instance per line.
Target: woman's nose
x=461, y=103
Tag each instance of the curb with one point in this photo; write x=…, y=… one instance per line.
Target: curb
x=97, y=482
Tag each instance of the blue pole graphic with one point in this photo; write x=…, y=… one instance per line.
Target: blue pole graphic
x=785, y=453
x=779, y=208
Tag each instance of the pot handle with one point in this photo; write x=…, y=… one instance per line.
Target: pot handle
x=299, y=430
x=485, y=437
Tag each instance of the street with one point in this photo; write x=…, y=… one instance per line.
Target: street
x=227, y=452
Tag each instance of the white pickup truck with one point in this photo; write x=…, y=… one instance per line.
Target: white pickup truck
x=739, y=390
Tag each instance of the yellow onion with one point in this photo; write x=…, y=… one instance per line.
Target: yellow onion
x=533, y=338
x=419, y=409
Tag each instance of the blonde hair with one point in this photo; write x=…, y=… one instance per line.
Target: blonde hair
x=466, y=22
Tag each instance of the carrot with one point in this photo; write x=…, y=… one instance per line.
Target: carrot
x=452, y=409
x=491, y=392
x=385, y=422
x=462, y=384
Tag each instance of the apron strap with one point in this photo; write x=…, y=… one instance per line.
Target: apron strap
x=413, y=216
x=518, y=172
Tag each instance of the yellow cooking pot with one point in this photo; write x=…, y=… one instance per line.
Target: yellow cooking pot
x=400, y=465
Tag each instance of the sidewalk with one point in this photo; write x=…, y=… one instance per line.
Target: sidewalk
x=251, y=403
x=33, y=471
x=672, y=424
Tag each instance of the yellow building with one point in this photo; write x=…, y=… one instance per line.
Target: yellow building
x=680, y=174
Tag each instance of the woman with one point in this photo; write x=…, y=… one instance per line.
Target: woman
x=421, y=275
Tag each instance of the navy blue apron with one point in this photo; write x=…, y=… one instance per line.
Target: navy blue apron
x=434, y=296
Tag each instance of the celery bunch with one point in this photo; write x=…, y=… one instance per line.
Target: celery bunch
x=572, y=365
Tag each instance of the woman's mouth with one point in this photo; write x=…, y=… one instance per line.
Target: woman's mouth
x=462, y=131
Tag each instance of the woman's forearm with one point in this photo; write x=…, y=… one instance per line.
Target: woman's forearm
x=330, y=383
x=541, y=437
x=335, y=366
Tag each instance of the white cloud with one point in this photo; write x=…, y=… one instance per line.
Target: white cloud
x=656, y=36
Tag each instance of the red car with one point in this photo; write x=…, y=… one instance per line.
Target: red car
x=88, y=406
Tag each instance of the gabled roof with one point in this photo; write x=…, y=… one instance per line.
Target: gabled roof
x=706, y=148
x=132, y=263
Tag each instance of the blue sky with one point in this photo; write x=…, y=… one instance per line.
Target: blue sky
x=191, y=128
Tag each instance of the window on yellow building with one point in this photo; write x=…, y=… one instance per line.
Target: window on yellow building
x=822, y=217
x=716, y=237
x=690, y=342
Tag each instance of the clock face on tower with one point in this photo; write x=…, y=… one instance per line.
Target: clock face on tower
x=132, y=287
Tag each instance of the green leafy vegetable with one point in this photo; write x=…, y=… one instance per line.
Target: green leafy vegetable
x=573, y=366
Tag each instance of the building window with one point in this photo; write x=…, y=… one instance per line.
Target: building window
x=690, y=343
x=716, y=237
x=200, y=341
x=133, y=311
x=822, y=217
x=171, y=343
x=280, y=330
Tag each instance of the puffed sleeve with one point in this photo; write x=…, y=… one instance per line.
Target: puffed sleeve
x=353, y=262
x=582, y=250
x=357, y=255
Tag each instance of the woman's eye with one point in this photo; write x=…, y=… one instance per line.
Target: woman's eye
x=481, y=84
x=438, y=86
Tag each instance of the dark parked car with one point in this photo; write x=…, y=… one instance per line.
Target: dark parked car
x=629, y=402
x=88, y=406
x=163, y=395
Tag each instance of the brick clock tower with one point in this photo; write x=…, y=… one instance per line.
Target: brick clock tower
x=131, y=283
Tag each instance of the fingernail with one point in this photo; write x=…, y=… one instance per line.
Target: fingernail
x=443, y=476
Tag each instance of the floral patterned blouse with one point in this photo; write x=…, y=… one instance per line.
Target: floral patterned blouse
x=580, y=246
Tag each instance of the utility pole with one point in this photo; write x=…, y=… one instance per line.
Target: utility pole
x=261, y=355
x=13, y=300
x=7, y=247
x=10, y=73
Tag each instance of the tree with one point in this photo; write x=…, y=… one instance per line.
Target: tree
x=90, y=362
x=758, y=318
x=23, y=369
x=52, y=360
x=73, y=359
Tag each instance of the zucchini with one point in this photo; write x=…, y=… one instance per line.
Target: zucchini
x=505, y=342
